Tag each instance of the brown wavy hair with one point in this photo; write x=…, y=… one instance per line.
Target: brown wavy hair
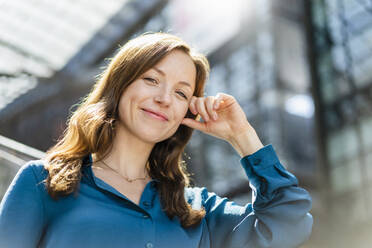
x=91, y=128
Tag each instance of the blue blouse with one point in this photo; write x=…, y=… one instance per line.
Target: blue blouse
x=100, y=216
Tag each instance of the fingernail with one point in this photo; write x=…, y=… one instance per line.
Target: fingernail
x=215, y=117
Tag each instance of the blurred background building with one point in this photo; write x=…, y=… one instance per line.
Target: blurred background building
x=301, y=70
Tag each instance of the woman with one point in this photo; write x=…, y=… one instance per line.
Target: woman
x=117, y=179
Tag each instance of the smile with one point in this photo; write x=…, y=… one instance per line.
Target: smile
x=155, y=116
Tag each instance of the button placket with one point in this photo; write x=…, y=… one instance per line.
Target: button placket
x=146, y=204
x=147, y=197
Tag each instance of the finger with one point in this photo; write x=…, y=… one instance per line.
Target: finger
x=192, y=105
x=209, y=105
x=200, y=107
x=218, y=101
x=194, y=124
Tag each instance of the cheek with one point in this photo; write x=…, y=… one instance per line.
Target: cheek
x=124, y=107
x=181, y=113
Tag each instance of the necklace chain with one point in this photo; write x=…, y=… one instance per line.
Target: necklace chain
x=126, y=178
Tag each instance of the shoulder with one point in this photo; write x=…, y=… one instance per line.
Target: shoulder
x=33, y=169
x=27, y=183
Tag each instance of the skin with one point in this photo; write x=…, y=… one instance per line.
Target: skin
x=138, y=131
x=224, y=119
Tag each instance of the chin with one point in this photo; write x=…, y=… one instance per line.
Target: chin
x=152, y=138
x=156, y=135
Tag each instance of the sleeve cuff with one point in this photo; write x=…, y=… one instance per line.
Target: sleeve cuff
x=262, y=158
x=266, y=174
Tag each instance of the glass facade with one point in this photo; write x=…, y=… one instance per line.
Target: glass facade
x=342, y=33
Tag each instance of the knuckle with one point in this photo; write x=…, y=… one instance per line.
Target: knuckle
x=210, y=105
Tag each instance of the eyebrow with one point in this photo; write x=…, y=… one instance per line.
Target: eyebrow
x=163, y=73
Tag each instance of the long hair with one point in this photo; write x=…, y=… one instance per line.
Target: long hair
x=91, y=128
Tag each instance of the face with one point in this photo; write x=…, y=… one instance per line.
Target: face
x=153, y=106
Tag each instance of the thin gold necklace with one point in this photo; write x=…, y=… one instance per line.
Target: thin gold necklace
x=126, y=178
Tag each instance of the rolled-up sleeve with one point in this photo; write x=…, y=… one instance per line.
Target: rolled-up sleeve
x=22, y=211
x=277, y=217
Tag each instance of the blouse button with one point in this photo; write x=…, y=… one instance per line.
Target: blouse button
x=149, y=245
x=257, y=161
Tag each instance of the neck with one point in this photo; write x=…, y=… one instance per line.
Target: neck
x=128, y=155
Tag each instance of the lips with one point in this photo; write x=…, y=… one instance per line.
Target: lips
x=164, y=116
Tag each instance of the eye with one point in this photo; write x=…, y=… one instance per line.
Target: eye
x=151, y=80
x=181, y=94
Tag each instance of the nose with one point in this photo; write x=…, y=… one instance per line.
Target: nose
x=163, y=97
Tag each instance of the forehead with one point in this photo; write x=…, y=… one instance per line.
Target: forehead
x=177, y=65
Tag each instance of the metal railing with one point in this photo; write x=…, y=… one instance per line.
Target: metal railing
x=13, y=155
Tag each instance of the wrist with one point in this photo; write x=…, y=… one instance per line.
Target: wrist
x=246, y=142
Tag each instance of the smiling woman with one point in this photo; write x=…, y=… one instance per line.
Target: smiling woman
x=116, y=177
x=161, y=93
